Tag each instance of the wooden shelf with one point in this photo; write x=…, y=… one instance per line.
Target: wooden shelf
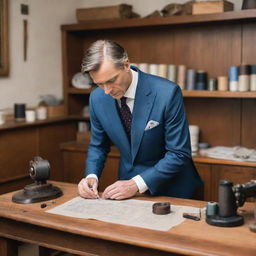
x=14, y=125
x=218, y=94
x=161, y=21
x=188, y=94
x=208, y=160
x=79, y=91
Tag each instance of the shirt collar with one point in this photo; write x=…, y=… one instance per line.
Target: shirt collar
x=130, y=93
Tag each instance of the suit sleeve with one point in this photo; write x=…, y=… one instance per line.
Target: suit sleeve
x=99, y=145
x=177, y=145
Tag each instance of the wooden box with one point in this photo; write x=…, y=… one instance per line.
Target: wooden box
x=104, y=13
x=206, y=7
x=56, y=111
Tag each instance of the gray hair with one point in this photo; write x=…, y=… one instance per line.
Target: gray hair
x=95, y=54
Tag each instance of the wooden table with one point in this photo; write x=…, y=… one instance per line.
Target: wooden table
x=31, y=224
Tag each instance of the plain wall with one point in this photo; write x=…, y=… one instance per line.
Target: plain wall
x=41, y=74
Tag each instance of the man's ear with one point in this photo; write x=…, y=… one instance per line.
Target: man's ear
x=127, y=65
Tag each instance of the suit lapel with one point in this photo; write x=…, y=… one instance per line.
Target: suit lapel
x=144, y=101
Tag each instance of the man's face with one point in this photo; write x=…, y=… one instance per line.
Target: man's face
x=112, y=80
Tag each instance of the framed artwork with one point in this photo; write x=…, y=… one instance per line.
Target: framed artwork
x=4, y=38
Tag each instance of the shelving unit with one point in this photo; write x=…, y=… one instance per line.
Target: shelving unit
x=218, y=94
x=212, y=42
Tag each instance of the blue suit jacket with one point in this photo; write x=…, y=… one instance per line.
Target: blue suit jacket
x=161, y=155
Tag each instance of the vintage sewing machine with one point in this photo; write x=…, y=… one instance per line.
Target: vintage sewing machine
x=40, y=190
x=230, y=198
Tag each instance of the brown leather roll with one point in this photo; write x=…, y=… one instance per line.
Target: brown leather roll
x=161, y=208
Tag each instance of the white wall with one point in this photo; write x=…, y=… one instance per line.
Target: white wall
x=42, y=72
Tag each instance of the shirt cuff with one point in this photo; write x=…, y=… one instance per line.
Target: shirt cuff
x=92, y=175
x=140, y=183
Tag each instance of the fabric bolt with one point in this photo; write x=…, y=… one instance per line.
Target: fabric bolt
x=126, y=116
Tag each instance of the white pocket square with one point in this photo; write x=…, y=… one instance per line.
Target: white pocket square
x=151, y=124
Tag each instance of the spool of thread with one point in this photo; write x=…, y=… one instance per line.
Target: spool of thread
x=172, y=73
x=191, y=79
x=2, y=117
x=153, y=69
x=211, y=209
x=201, y=80
x=30, y=115
x=41, y=113
x=233, y=78
x=181, y=76
x=162, y=70
x=253, y=78
x=161, y=208
x=194, y=137
x=212, y=84
x=244, y=78
x=19, y=111
x=143, y=67
x=222, y=83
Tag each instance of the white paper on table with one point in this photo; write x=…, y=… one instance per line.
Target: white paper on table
x=128, y=212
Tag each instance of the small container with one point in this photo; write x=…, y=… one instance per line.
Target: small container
x=212, y=84
x=30, y=115
x=41, y=113
x=19, y=112
x=244, y=78
x=222, y=83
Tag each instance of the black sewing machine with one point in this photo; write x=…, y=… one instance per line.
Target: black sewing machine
x=230, y=198
x=40, y=190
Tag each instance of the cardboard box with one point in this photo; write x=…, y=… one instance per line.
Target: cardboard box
x=207, y=7
x=56, y=111
x=104, y=13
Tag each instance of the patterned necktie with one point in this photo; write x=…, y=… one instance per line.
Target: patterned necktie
x=126, y=116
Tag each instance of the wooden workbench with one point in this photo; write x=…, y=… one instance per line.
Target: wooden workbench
x=31, y=224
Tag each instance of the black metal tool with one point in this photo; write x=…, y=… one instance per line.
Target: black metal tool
x=40, y=190
x=191, y=217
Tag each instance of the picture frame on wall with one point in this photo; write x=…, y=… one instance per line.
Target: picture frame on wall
x=4, y=39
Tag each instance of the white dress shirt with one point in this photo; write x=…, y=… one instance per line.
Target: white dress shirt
x=130, y=95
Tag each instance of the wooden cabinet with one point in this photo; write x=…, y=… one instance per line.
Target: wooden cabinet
x=237, y=174
x=74, y=156
x=21, y=142
x=212, y=173
x=210, y=42
x=204, y=171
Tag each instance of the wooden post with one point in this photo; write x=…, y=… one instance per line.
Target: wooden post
x=8, y=247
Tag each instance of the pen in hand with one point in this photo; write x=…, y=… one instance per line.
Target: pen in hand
x=95, y=192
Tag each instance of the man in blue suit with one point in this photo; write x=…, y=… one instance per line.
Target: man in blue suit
x=143, y=115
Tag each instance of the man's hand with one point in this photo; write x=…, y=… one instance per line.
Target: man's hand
x=87, y=188
x=121, y=189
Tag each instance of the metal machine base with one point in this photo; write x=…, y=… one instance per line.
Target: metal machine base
x=34, y=193
x=232, y=221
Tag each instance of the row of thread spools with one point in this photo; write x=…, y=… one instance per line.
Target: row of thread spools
x=241, y=78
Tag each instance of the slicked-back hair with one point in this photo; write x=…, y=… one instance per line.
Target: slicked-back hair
x=101, y=49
